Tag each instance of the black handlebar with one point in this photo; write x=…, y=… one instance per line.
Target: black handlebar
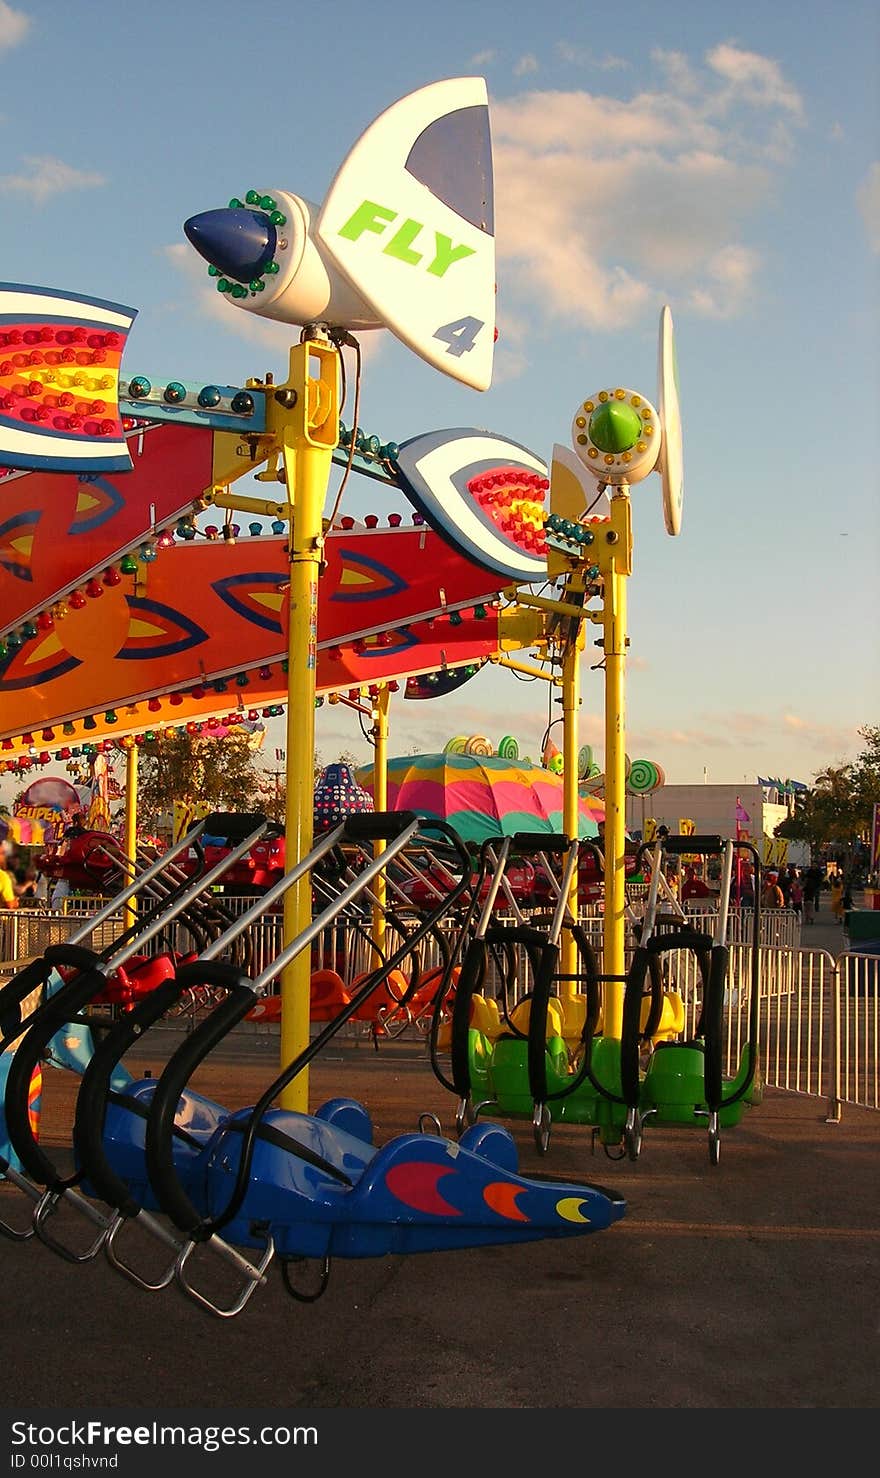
x=159, y=1143
x=52, y=1017
x=377, y=826
x=91, y=1101
x=184, y=1061
x=555, y=843
x=705, y=845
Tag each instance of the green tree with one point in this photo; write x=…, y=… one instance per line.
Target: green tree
x=839, y=807
x=186, y=767
x=866, y=773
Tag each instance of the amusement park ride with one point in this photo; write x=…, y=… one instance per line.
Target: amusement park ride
x=123, y=613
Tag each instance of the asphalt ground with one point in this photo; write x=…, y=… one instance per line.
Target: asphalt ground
x=747, y=1285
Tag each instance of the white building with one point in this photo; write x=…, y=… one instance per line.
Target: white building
x=711, y=810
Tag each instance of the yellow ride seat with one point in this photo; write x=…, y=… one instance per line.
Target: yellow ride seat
x=520, y=1015
x=485, y=1017
x=672, y=1017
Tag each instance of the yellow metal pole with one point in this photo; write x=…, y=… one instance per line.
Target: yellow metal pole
x=571, y=698
x=306, y=415
x=380, y=801
x=615, y=561
x=131, y=807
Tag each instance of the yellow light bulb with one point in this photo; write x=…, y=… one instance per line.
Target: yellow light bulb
x=641, y=446
x=608, y=459
x=619, y=394
x=646, y=413
x=589, y=405
x=603, y=395
x=636, y=399
x=582, y=440
x=581, y=421
x=592, y=452
x=626, y=457
x=647, y=430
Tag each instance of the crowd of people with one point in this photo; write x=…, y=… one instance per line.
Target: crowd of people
x=800, y=889
x=795, y=888
x=791, y=887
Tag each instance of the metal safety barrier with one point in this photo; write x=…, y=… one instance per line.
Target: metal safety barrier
x=819, y=1015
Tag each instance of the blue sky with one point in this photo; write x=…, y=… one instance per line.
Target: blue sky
x=723, y=160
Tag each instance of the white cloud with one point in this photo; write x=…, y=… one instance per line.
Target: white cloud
x=511, y=357
x=728, y=282
x=868, y=202
x=46, y=177
x=14, y=26
x=607, y=206
x=525, y=65
x=483, y=58
x=754, y=79
x=680, y=75
x=581, y=56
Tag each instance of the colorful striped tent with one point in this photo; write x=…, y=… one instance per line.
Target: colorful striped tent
x=482, y=796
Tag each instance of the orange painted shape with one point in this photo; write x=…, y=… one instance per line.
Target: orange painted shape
x=500, y=1196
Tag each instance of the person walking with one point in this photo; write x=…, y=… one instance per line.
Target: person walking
x=812, y=885
x=771, y=895
x=746, y=884
x=837, y=903
x=796, y=895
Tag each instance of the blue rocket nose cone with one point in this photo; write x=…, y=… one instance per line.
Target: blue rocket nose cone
x=239, y=243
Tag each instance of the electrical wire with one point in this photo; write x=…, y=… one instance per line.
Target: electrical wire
x=338, y=340
x=365, y=732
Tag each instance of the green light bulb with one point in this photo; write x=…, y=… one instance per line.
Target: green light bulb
x=615, y=427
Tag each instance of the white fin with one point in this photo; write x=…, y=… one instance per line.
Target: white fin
x=409, y=221
x=670, y=464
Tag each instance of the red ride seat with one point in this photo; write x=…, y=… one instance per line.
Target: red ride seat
x=140, y=975
x=268, y=1009
x=328, y=995
x=384, y=1000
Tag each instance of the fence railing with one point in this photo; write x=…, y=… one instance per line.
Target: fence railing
x=819, y=1017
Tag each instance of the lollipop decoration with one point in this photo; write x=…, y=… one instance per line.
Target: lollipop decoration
x=643, y=777
x=585, y=761
x=478, y=745
x=508, y=748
